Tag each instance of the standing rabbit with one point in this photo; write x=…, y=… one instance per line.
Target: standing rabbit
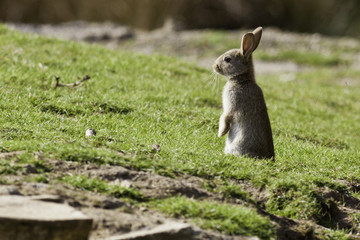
x=245, y=116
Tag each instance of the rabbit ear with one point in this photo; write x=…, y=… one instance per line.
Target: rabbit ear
x=257, y=34
x=247, y=44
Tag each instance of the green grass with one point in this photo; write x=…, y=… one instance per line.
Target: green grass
x=223, y=217
x=134, y=101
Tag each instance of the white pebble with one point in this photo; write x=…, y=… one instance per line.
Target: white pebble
x=90, y=132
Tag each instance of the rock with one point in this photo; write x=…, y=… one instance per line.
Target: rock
x=9, y=190
x=143, y=209
x=48, y=198
x=156, y=148
x=30, y=168
x=22, y=218
x=170, y=230
x=126, y=184
x=38, y=186
x=200, y=234
x=178, y=231
x=90, y=132
x=108, y=203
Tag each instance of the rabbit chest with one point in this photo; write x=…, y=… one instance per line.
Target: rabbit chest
x=240, y=100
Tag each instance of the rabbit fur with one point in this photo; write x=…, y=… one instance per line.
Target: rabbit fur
x=245, y=117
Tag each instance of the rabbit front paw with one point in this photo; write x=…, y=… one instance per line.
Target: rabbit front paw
x=224, y=124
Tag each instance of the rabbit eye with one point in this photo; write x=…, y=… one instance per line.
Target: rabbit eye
x=227, y=59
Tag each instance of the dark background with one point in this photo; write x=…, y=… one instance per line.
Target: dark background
x=331, y=17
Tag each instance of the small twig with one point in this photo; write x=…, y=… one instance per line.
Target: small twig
x=57, y=78
x=57, y=84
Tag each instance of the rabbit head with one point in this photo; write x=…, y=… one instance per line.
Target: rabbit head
x=236, y=62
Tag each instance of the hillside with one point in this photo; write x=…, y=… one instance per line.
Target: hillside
x=156, y=155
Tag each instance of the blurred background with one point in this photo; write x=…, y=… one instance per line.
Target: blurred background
x=330, y=17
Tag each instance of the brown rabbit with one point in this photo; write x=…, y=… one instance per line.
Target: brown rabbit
x=244, y=115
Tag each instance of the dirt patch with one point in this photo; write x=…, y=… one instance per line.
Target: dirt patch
x=8, y=155
x=150, y=185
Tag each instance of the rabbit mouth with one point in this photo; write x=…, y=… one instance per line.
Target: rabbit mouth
x=217, y=68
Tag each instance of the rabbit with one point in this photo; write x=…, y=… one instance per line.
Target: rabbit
x=244, y=116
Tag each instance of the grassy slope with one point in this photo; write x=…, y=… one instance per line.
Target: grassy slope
x=134, y=101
